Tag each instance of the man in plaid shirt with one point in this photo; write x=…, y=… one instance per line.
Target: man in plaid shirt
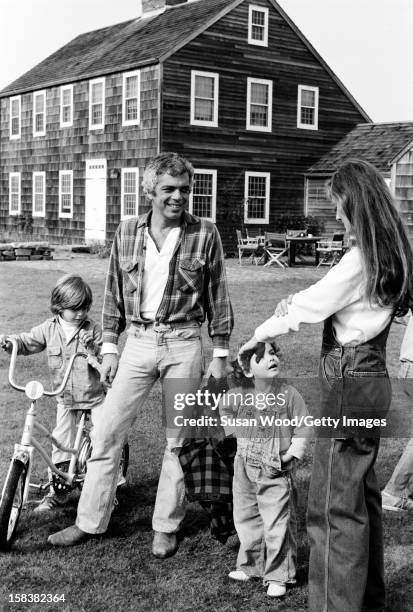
x=166, y=275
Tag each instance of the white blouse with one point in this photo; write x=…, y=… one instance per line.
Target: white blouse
x=341, y=294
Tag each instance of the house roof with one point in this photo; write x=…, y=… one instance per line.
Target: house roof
x=139, y=42
x=377, y=143
x=123, y=46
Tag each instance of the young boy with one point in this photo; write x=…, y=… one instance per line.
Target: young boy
x=264, y=495
x=67, y=332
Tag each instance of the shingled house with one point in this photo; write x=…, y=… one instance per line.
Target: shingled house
x=231, y=84
x=388, y=146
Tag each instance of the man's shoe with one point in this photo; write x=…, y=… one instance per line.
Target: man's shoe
x=275, y=589
x=238, y=575
x=164, y=544
x=69, y=537
x=395, y=504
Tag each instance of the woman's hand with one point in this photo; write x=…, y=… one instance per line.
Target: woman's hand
x=248, y=346
x=282, y=307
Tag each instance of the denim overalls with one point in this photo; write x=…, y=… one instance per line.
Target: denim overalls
x=346, y=571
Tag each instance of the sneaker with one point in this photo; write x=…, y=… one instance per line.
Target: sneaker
x=275, y=589
x=51, y=502
x=395, y=504
x=238, y=575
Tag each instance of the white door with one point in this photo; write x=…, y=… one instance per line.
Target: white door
x=95, y=200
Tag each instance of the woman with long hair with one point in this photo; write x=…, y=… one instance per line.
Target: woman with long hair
x=357, y=300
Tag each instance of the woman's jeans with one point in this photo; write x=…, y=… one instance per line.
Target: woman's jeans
x=265, y=518
x=346, y=572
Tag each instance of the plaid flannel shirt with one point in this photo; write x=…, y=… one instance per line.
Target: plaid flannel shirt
x=196, y=287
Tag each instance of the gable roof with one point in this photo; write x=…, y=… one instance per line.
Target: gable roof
x=123, y=46
x=139, y=42
x=377, y=143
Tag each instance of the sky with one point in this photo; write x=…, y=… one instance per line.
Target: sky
x=365, y=42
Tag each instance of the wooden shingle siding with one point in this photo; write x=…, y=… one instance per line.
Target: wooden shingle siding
x=69, y=148
x=231, y=149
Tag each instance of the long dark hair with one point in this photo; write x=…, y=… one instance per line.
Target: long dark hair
x=379, y=231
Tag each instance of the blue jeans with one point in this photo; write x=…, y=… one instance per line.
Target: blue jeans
x=170, y=353
x=346, y=570
x=265, y=518
x=344, y=527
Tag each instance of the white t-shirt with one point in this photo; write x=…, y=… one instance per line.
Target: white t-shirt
x=155, y=272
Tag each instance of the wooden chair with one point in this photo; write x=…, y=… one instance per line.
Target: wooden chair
x=330, y=251
x=249, y=246
x=276, y=248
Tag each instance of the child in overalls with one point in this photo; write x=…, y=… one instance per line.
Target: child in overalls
x=68, y=331
x=264, y=494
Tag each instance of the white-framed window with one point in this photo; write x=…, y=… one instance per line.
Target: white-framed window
x=129, y=193
x=14, y=193
x=39, y=113
x=66, y=106
x=66, y=194
x=307, y=107
x=204, y=98
x=258, y=25
x=97, y=104
x=203, y=199
x=39, y=194
x=131, y=98
x=259, y=105
x=15, y=117
x=257, y=197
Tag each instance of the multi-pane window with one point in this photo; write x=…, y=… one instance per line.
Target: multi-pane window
x=65, y=193
x=307, y=107
x=203, y=198
x=96, y=104
x=259, y=105
x=39, y=113
x=14, y=193
x=258, y=26
x=129, y=193
x=204, y=98
x=39, y=194
x=257, y=197
x=131, y=98
x=15, y=117
x=66, y=106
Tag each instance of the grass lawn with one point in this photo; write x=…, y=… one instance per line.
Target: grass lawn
x=117, y=571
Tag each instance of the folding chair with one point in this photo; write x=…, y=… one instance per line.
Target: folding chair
x=275, y=247
x=330, y=251
x=249, y=246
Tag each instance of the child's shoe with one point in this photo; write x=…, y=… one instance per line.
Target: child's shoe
x=238, y=575
x=275, y=589
x=395, y=504
x=51, y=502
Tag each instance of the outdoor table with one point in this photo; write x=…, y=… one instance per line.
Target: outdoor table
x=293, y=241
